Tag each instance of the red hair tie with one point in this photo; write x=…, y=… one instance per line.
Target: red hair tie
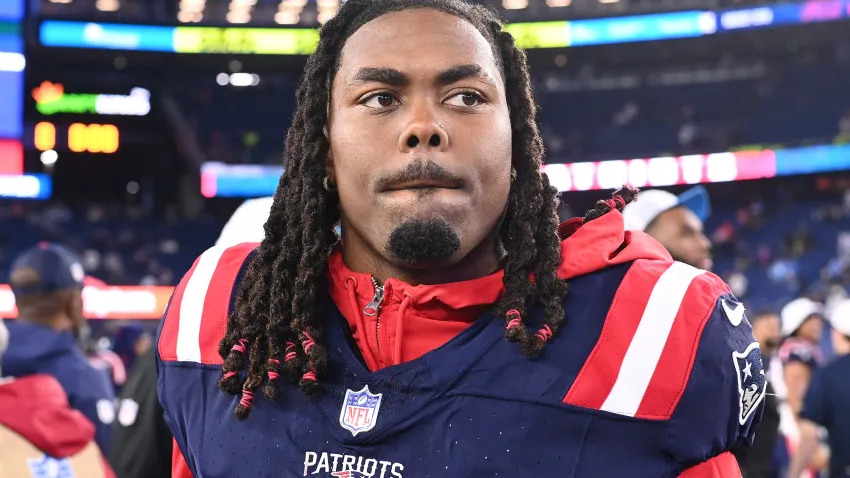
x=240, y=346
x=516, y=321
x=229, y=374
x=272, y=374
x=545, y=333
x=311, y=375
x=308, y=343
x=247, y=397
x=619, y=201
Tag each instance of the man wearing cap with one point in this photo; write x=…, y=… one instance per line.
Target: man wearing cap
x=48, y=282
x=800, y=353
x=674, y=221
x=827, y=404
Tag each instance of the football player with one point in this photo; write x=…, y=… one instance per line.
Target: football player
x=456, y=329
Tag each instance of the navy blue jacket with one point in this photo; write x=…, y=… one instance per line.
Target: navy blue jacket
x=655, y=374
x=35, y=349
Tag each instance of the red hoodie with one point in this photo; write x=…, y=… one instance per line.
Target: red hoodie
x=36, y=409
x=414, y=320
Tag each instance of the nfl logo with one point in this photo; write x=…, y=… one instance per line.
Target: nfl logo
x=360, y=410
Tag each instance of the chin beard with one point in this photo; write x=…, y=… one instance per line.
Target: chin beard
x=414, y=242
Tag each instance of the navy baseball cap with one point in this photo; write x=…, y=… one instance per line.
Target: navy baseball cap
x=57, y=268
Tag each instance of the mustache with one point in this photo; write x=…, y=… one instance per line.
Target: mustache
x=419, y=170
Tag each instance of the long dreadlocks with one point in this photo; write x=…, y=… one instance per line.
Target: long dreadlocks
x=275, y=323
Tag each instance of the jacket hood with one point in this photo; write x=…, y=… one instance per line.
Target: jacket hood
x=36, y=408
x=416, y=319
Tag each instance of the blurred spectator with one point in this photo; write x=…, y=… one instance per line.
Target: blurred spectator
x=130, y=342
x=827, y=405
x=675, y=221
x=47, y=282
x=140, y=422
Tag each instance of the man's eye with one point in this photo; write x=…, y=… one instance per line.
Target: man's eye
x=380, y=100
x=466, y=98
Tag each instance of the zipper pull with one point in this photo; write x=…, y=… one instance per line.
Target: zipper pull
x=372, y=307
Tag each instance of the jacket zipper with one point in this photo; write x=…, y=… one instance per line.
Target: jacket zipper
x=373, y=309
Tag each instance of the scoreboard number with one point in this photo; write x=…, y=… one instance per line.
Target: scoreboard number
x=92, y=138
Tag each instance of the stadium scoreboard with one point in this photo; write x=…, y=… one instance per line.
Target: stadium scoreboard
x=81, y=120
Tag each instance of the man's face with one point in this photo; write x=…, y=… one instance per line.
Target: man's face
x=767, y=331
x=679, y=230
x=420, y=139
x=812, y=328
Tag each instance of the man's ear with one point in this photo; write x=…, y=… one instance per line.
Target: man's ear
x=329, y=161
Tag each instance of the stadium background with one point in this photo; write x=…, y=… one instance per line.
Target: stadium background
x=131, y=129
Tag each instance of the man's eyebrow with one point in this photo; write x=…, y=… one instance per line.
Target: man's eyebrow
x=393, y=77
x=388, y=76
x=462, y=72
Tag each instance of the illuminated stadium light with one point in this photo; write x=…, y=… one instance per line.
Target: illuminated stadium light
x=61, y=1
x=107, y=5
x=514, y=4
x=222, y=79
x=12, y=62
x=608, y=1
x=49, y=157
x=289, y=12
x=559, y=3
x=327, y=9
x=240, y=11
x=244, y=79
x=191, y=11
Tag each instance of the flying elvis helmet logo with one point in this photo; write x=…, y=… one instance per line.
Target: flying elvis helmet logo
x=360, y=410
x=752, y=383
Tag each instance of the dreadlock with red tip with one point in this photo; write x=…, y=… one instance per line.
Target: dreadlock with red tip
x=275, y=315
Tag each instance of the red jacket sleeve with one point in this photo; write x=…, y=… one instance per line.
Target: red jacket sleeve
x=179, y=468
x=722, y=466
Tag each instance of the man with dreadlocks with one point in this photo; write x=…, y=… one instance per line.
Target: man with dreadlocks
x=456, y=330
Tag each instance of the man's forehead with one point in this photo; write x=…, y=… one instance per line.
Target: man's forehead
x=680, y=216
x=418, y=42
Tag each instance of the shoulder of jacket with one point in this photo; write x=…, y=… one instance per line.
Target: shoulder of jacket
x=642, y=360
x=196, y=317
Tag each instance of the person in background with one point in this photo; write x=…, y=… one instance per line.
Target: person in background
x=674, y=221
x=47, y=281
x=802, y=326
x=827, y=404
x=756, y=461
x=41, y=435
x=140, y=422
x=130, y=342
x=800, y=355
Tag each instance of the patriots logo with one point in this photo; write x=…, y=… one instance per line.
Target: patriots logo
x=349, y=474
x=752, y=383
